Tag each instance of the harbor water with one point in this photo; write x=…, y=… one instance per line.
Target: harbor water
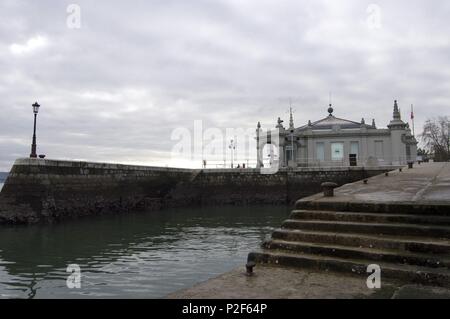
x=137, y=255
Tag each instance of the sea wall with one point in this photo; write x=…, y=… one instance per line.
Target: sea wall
x=40, y=190
x=249, y=186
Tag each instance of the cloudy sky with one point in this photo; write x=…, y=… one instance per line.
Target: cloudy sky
x=117, y=87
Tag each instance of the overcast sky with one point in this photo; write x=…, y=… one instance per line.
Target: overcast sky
x=115, y=89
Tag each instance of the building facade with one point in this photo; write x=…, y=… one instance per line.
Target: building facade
x=333, y=141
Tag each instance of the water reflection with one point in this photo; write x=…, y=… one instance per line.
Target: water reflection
x=131, y=256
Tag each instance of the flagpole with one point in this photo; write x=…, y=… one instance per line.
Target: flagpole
x=412, y=119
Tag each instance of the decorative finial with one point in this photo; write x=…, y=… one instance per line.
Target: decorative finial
x=373, y=123
x=396, y=111
x=309, y=123
x=259, y=125
x=291, y=119
x=396, y=122
x=363, y=121
x=330, y=110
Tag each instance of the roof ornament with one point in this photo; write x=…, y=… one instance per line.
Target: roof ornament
x=330, y=110
x=309, y=123
x=258, y=126
x=291, y=119
x=396, y=123
x=280, y=123
x=373, y=123
x=363, y=121
x=396, y=111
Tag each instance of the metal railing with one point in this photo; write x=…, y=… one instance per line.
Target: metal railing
x=210, y=164
x=312, y=162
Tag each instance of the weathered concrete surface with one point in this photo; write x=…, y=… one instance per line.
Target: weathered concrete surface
x=421, y=292
x=426, y=184
x=284, y=283
x=406, y=232
x=42, y=190
x=288, y=283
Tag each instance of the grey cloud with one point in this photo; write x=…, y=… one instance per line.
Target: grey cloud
x=116, y=88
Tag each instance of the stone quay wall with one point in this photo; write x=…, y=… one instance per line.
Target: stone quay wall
x=39, y=190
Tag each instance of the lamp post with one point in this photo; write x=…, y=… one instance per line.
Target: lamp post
x=232, y=147
x=33, y=145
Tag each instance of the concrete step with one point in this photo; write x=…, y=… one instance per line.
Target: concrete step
x=411, y=244
x=369, y=228
x=372, y=254
x=411, y=208
x=370, y=217
x=401, y=272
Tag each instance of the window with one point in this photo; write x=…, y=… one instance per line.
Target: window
x=337, y=151
x=354, y=148
x=320, y=152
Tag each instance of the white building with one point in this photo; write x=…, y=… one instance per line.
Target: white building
x=333, y=141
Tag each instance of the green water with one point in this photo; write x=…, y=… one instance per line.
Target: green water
x=141, y=255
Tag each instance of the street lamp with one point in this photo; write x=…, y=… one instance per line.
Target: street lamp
x=232, y=147
x=33, y=145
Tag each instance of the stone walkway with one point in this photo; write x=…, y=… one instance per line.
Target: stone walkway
x=270, y=282
x=425, y=183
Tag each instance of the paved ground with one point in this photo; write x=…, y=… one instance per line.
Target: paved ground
x=285, y=283
x=425, y=183
x=270, y=282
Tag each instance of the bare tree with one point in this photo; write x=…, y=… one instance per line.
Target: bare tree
x=436, y=138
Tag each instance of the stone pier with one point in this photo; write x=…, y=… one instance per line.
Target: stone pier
x=43, y=190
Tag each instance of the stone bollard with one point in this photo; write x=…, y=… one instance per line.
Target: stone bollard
x=249, y=267
x=328, y=189
x=410, y=164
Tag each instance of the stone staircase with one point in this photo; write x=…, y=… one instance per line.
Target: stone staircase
x=411, y=246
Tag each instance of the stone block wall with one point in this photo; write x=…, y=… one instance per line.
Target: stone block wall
x=49, y=190
x=53, y=190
